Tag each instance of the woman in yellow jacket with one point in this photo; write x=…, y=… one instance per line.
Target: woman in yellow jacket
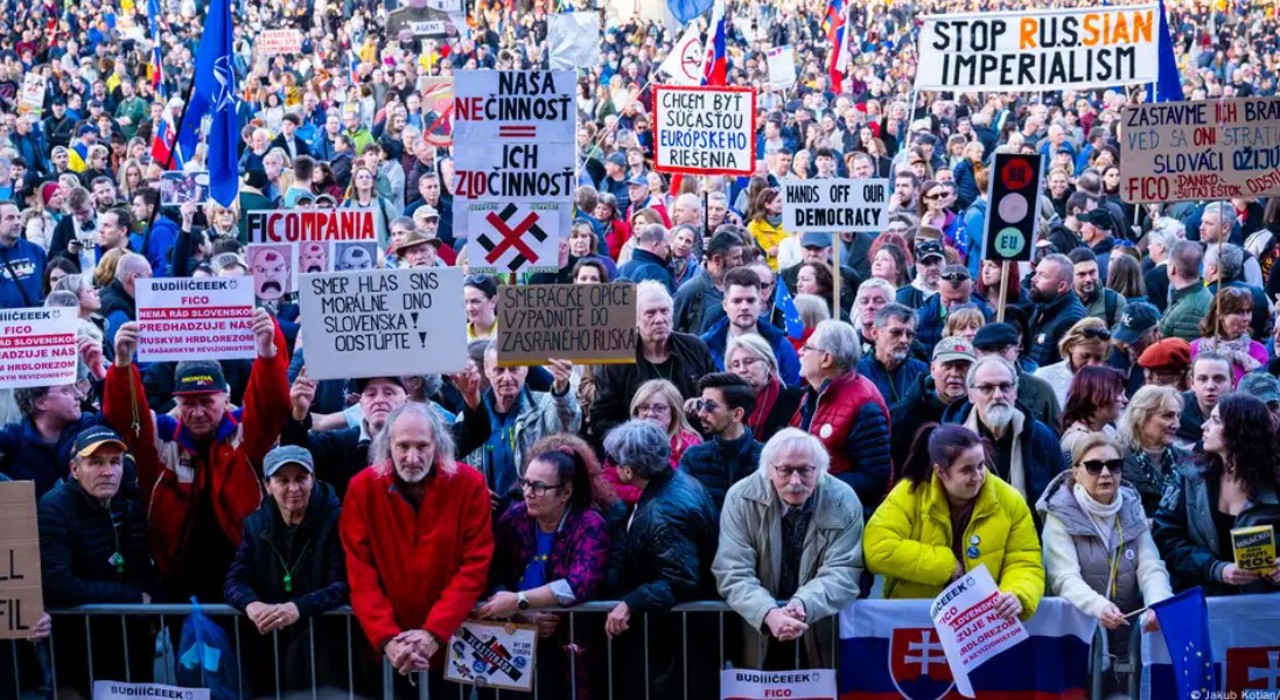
x=949, y=515
x=765, y=226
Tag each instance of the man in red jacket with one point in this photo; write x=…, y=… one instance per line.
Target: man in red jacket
x=199, y=472
x=416, y=530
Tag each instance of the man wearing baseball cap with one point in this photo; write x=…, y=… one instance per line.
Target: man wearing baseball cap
x=929, y=262
x=615, y=179
x=1264, y=387
x=1036, y=394
x=640, y=198
x=1137, y=329
x=199, y=468
x=929, y=396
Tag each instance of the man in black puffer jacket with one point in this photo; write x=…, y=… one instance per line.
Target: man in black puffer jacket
x=93, y=550
x=732, y=452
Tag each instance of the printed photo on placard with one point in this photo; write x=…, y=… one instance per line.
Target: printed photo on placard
x=313, y=256
x=271, y=265
x=177, y=187
x=354, y=255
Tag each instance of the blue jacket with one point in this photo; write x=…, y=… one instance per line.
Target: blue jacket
x=975, y=222
x=932, y=321
x=788, y=361
x=159, y=243
x=893, y=386
x=1041, y=451
x=646, y=266
x=27, y=457
x=28, y=261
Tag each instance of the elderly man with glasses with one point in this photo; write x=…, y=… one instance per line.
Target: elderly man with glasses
x=1024, y=452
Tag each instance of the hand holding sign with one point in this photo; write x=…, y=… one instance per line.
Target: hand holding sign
x=301, y=395
x=126, y=343
x=264, y=333
x=90, y=352
x=561, y=370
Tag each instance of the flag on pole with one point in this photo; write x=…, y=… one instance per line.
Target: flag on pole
x=715, y=62
x=1184, y=622
x=214, y=96
x=1168, y=85
x=837, y=17
x=157, y=66
x=783, y=302
x=163, y=148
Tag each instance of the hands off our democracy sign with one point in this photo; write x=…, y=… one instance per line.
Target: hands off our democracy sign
x=1034, y=51
x=831, y=206
x=704, y=131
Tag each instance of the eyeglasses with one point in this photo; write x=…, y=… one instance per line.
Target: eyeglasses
x=744, y=363
x=707, y=405
x=955, y=276
x=657, y=409
x=1094, y=466
x=809, y=348
x=537, y=488
x=1096, y=333
x=989, y=389
x=935, y=195
x=787, y=472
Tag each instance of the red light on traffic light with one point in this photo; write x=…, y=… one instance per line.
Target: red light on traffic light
x=1017, y=173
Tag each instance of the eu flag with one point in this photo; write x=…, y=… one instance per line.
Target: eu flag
x=782, y=301
x=214, y=96
x=1184, y=621
x=1168, y=85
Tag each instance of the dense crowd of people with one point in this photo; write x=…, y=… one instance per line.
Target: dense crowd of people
x=1093, y=429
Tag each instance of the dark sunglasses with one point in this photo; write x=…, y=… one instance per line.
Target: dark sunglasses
x=1094, y=466
x=1096, y=333
x=955, y=276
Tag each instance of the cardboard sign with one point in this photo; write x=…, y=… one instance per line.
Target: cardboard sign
x=970, y=632
x=704, y=131
x=512, y=105
x=274, y=42
x=31, y=101
x=586, y=323
x=745, y=684
x=37, y=347
x=437, y=97
x=113, y=690
x=378, y=323
x=178, y=187
x=1038, y=50
x=833, y=206
x=493, y=655
x=292, y=226
x=209, y=318
x=1188, y=151
x=21, y=602
x=782, y=67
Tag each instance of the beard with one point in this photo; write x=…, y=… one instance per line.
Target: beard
x=411, y=476
x=1040, y=296
x=998, y=416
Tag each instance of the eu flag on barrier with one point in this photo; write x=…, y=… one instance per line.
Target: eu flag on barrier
x=782, y=301
x=1184, y=621
x=1168, y=85
x=214, y=96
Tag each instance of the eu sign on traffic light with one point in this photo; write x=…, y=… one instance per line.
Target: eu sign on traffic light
x=1013, y=207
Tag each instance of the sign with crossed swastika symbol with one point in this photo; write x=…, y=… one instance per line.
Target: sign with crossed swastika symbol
x=515, y=238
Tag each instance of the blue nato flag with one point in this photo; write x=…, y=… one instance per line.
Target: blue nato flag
x=214, y=96
x=1168, y=85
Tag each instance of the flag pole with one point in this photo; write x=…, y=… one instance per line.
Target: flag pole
x=177, y=131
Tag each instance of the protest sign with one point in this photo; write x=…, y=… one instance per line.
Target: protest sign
x=782, y=67
x=378, y=323
x=273, y=42
x=209, y=318
x=1185, y=151
x=970, y=631
x=683, y=64
x=418, y=18
x=514, y=237
x=704, y=130
x=37, y=347
x=492, y=654
x=31, y=101
x=1039, y=50
x=114, y=690
x=296, y=225
x=745, y=684
x=586, y=323
x=354, y=255
x=178, y=187
x=437, y=99
x=831, y=206
x=512, y=105
x=21, y=603
x=272, y=267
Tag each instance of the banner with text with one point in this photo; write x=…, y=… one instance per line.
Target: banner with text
x=514, y=105
x=37, y=347
x=1185, y=151
x=114, y=690
x=21, y=602
x=274, y=42
x=493, y=655
x=585, y=323
x=834, y=206
x=745, y=684
x=1038, y=50
x=297, y=225
x=782, y=67
x=379, y=323
x=209, y=318
x=968, y=628
x=704, y=130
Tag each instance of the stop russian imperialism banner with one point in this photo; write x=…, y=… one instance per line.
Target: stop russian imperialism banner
x=1185, y=151
x=1034, y=51
x=704, y=131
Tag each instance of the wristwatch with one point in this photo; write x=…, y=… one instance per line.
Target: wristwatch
x=521, y=601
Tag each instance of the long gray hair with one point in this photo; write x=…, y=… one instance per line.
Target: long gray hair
x=380, y=450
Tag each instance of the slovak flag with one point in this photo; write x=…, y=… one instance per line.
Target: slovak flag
x=157, y=65
x=715, y=62
x=163, y=145
x=889, y=650
x=1240, y=656
x=834, y=22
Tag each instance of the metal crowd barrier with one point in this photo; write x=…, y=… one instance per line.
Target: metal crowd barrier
x=166, y=649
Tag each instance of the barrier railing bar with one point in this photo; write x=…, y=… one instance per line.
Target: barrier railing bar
x=239, y=656
x=311, y=636
x=88, y=643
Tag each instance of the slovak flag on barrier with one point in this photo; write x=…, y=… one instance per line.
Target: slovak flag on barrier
x=889, y=650
x=1244, y=631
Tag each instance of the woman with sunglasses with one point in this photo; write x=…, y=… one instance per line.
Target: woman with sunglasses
x=1225, y=332
x=551, y=551
x=1094, y=402
x=1231, y=482
x=1098, y=549
x=659, y=401
x=948, y=515
x=932, y=208
x=1084, y=344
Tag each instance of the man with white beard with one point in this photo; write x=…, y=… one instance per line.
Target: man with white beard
x=416, y=530
x=1023, y=451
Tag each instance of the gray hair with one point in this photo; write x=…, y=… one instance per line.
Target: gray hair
x=894, y=312
x=1186, y=257
x=651, y=233
x=754, y=345
x=76, y=284
x=1164, y=235
x=62, y=298
x=1225, y=212
x=653, y=289
x=839, y=339
x=641, y=446
x=868, y=285
x=813, y=309
x=789, y=439
x=972, y=376
x=1170, y=226
x=1232, y=260
x=690, y=200
x=380, y=450
x=130, y=264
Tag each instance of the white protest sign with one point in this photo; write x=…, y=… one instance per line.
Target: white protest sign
x=512, y=105
x=274, y=42
x=704, y=130
x=683, y=64
x=31, y=101
x=834, y=206
x=970, y=631
x=379, y=323
x=742, y=684
x=492, y=654
x=297, y=225
x=515, y=237
x=113, y=690
x=37, y=347
x=209, y=318
x=1184, y=151
x=1038, y=50
x=782, y=67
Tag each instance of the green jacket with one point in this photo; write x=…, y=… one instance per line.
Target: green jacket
x=1186, y=308
x=137, y=110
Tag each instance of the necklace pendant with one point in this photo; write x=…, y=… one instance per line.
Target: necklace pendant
x=288, y=583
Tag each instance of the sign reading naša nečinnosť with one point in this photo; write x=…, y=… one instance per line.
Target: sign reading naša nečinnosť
x=586, y=323
x=1037, y=50
x=704, y=130
x=301, y=225
x=834, y=206
x=1188, y=151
